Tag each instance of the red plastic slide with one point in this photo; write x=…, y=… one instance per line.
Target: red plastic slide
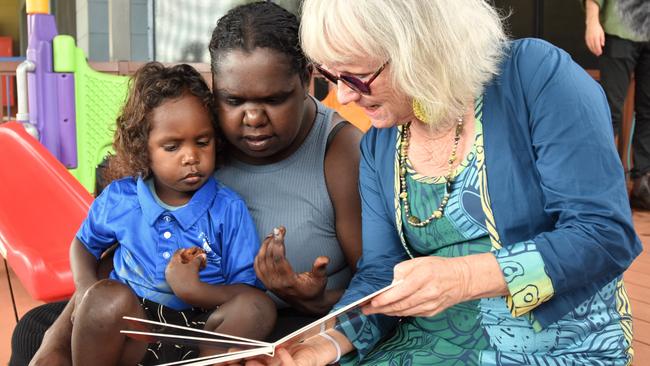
x=41, y=209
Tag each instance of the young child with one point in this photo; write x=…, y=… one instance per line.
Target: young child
x=170, y=218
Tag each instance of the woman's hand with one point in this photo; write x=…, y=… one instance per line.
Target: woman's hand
x=273, y=269
x=183, y=269
x=314, y=351
x=296, y=355
x=432, y=284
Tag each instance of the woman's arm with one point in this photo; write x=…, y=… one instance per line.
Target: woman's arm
x=580, y=172
x=382, y=249
x=342, y=178
x=306, y=291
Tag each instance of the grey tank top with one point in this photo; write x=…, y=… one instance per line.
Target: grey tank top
x=293, y=193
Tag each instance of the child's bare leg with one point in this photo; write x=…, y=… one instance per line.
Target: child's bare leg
x=96, y=337
x=55, y=347
x=251, y=314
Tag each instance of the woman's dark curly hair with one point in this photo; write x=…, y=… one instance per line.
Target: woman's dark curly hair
x=260, y=24
x=151, y=86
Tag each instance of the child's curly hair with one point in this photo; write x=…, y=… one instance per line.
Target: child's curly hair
x=150, y=86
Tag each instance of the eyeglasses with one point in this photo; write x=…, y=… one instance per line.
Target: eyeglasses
x=352, y=82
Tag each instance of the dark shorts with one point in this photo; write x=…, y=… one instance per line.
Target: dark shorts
x=160, y=352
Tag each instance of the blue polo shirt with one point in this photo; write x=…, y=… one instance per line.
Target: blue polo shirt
x=215, y=219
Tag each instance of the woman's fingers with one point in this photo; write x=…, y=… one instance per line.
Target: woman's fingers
x=410, y=285
x=428, y=286
x=285, y=358
x=263, y=263
x=319, y=268
x=271, y=264
x=277, y=261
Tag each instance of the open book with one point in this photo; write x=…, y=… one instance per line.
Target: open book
x=224, y=344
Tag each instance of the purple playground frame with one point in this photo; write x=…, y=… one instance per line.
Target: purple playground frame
x=51, y=96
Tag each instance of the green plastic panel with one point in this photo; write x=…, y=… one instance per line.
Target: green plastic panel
x=64, y=56
x=99, y=98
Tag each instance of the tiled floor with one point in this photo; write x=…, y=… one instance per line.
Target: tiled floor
x=637, y=281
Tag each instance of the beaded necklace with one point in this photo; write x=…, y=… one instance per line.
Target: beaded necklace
x=403, y=195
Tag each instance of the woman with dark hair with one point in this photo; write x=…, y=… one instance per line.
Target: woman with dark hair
x=305, y=155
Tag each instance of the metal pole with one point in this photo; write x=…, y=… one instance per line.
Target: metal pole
x=11, y=290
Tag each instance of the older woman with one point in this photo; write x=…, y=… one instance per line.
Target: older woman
x=490, y=185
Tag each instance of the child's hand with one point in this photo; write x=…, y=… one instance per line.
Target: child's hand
x=188, y=254
x=183, y=269
x=274, y=270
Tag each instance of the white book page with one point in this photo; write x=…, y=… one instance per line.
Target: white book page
x=245, y=347
x=329, y=320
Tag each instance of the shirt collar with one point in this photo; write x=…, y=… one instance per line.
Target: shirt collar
x=186, y=215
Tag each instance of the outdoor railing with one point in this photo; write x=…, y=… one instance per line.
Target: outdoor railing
x=8, y=88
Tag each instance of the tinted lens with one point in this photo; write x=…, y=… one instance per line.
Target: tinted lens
x=352, y=82
x=355, y=84
x=327, y=74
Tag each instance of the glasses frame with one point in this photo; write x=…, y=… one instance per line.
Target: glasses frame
x=352, y=82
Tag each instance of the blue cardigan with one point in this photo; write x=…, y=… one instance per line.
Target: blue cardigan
x=553, y=175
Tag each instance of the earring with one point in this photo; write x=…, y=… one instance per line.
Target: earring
x=419, y=112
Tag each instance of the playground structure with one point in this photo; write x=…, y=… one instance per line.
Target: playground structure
x=48, y=160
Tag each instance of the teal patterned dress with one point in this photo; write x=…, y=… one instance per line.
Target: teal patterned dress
x=501, y=330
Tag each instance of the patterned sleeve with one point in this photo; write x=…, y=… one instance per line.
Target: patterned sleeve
x=528, y=282
x=382, y=250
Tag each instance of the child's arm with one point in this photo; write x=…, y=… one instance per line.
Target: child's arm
x=84, y=268
x=182, y=274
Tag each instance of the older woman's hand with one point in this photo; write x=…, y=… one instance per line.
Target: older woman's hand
x=433, y=284
x=299, y=355
x=314, y=351
x=274, y=270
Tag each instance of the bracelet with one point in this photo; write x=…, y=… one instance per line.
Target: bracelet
x=336, y=345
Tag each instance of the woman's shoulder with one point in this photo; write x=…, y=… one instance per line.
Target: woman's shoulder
x=530, y=49
x=342, y=136
x=226, y=196
x=529, y=56
x=529, y=64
